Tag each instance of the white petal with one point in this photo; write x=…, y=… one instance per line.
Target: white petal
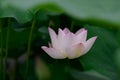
x=66, y=30
x=89, y=44
x=54, y=53
x=53, y=37
x=61, y=34
x=69, y=39
x=75, y=51
x=81, y=37
x=79, y=31
x=61, y=39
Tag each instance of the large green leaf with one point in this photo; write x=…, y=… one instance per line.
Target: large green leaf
x=91, y=75
x=101, y=12
x=117, y=58
x=101, y=57
x=24, y=10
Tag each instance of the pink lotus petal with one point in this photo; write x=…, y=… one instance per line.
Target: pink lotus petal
x=54, y=53
x=61, y=34
x=75, y=51
x=81, y=37
x=79, y=31
x=53, y=37
x=65, y=41
x=66, y=30
x=61, y=39
x=69, y=38
x=89, y=44
x=68, y=44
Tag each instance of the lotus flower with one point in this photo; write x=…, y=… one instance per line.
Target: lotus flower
x=67, y=44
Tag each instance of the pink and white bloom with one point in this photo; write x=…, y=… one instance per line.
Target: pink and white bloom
x=67, y=44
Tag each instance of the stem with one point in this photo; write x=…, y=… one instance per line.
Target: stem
x=28, y=49
x=1, y=53
x=72, y=26
x=13, y=75
x=6, y=54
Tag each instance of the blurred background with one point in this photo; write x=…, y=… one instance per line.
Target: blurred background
x=24, y=29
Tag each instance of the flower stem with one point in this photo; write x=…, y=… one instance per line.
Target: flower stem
x=28, y=49
x=6, y=54
x=72, y=26
x=1, y=53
